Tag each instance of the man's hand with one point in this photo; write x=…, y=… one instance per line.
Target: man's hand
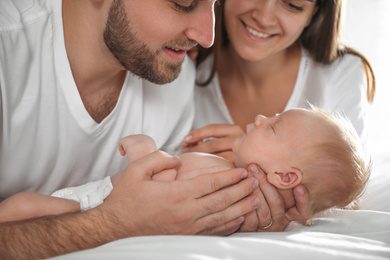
x=277, y=207
x=208, y=204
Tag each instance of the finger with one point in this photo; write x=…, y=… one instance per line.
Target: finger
x=209, y=183
x=222, y=199
x=214, y=145
x=274, y=202
x=302, y=209
x=213, y=130
x=250, y=223
x=232, y=213
x=147, y=166
x=224, y=229
x=263, y=212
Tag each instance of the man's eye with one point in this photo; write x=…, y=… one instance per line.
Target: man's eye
x=185, y=6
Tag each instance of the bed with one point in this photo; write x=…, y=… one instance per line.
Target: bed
x=341, y=234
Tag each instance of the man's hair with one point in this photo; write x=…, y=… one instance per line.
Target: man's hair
x=334, y=166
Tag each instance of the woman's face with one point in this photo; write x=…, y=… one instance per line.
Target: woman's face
x=260, y=28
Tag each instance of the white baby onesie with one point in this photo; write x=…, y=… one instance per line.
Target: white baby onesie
x=89, y=195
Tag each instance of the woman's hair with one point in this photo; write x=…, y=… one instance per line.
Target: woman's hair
x=321, y=39
x=334, y=167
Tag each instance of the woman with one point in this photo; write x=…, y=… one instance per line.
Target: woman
x=270, y=56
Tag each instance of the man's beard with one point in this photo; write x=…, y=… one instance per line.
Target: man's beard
x=132, y=53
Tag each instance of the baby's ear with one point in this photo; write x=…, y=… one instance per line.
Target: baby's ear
x=288, y=179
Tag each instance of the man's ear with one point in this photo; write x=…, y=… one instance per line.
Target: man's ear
x=287, y=179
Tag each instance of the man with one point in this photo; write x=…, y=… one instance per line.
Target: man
x=67, y=97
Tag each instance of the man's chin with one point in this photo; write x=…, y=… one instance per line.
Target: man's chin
x=159, y=73
x=169, y=74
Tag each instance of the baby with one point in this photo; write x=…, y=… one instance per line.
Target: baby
x=311, y=147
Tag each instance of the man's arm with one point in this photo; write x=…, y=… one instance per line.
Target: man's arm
x=52, y=235
x=196, y=206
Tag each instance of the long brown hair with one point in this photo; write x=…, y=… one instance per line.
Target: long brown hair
x=321, y=38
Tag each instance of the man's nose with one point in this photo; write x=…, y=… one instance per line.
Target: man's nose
x=201, y=27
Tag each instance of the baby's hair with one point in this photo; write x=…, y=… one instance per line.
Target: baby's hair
x=334, y=166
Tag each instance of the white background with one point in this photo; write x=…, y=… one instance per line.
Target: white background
x=367, y=29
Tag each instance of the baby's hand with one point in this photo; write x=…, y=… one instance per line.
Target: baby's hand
x=136, y=146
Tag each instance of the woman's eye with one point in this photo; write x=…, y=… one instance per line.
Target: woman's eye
x=295, y=7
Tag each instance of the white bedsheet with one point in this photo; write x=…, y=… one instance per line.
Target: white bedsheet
x=341, y=234
x=345, y=235
x=299, y=245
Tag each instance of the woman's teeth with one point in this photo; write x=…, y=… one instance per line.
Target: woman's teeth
x=256, y=33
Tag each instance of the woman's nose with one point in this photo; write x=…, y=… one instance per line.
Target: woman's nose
x=265, y=12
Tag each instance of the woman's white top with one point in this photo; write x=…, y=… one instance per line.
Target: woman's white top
x=48, y=140
x=338, y=87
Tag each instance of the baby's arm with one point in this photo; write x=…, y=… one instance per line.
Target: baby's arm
x=27, y=205
x=136, y=146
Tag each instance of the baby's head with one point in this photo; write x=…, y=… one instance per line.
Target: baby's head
x=319, y=150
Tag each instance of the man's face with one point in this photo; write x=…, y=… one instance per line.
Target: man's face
x=150, y=37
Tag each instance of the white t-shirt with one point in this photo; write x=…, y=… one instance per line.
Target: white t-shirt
x=339, y=87
x=47, y=138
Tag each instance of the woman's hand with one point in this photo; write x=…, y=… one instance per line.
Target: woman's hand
x=277, y=207
x=215, y=138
